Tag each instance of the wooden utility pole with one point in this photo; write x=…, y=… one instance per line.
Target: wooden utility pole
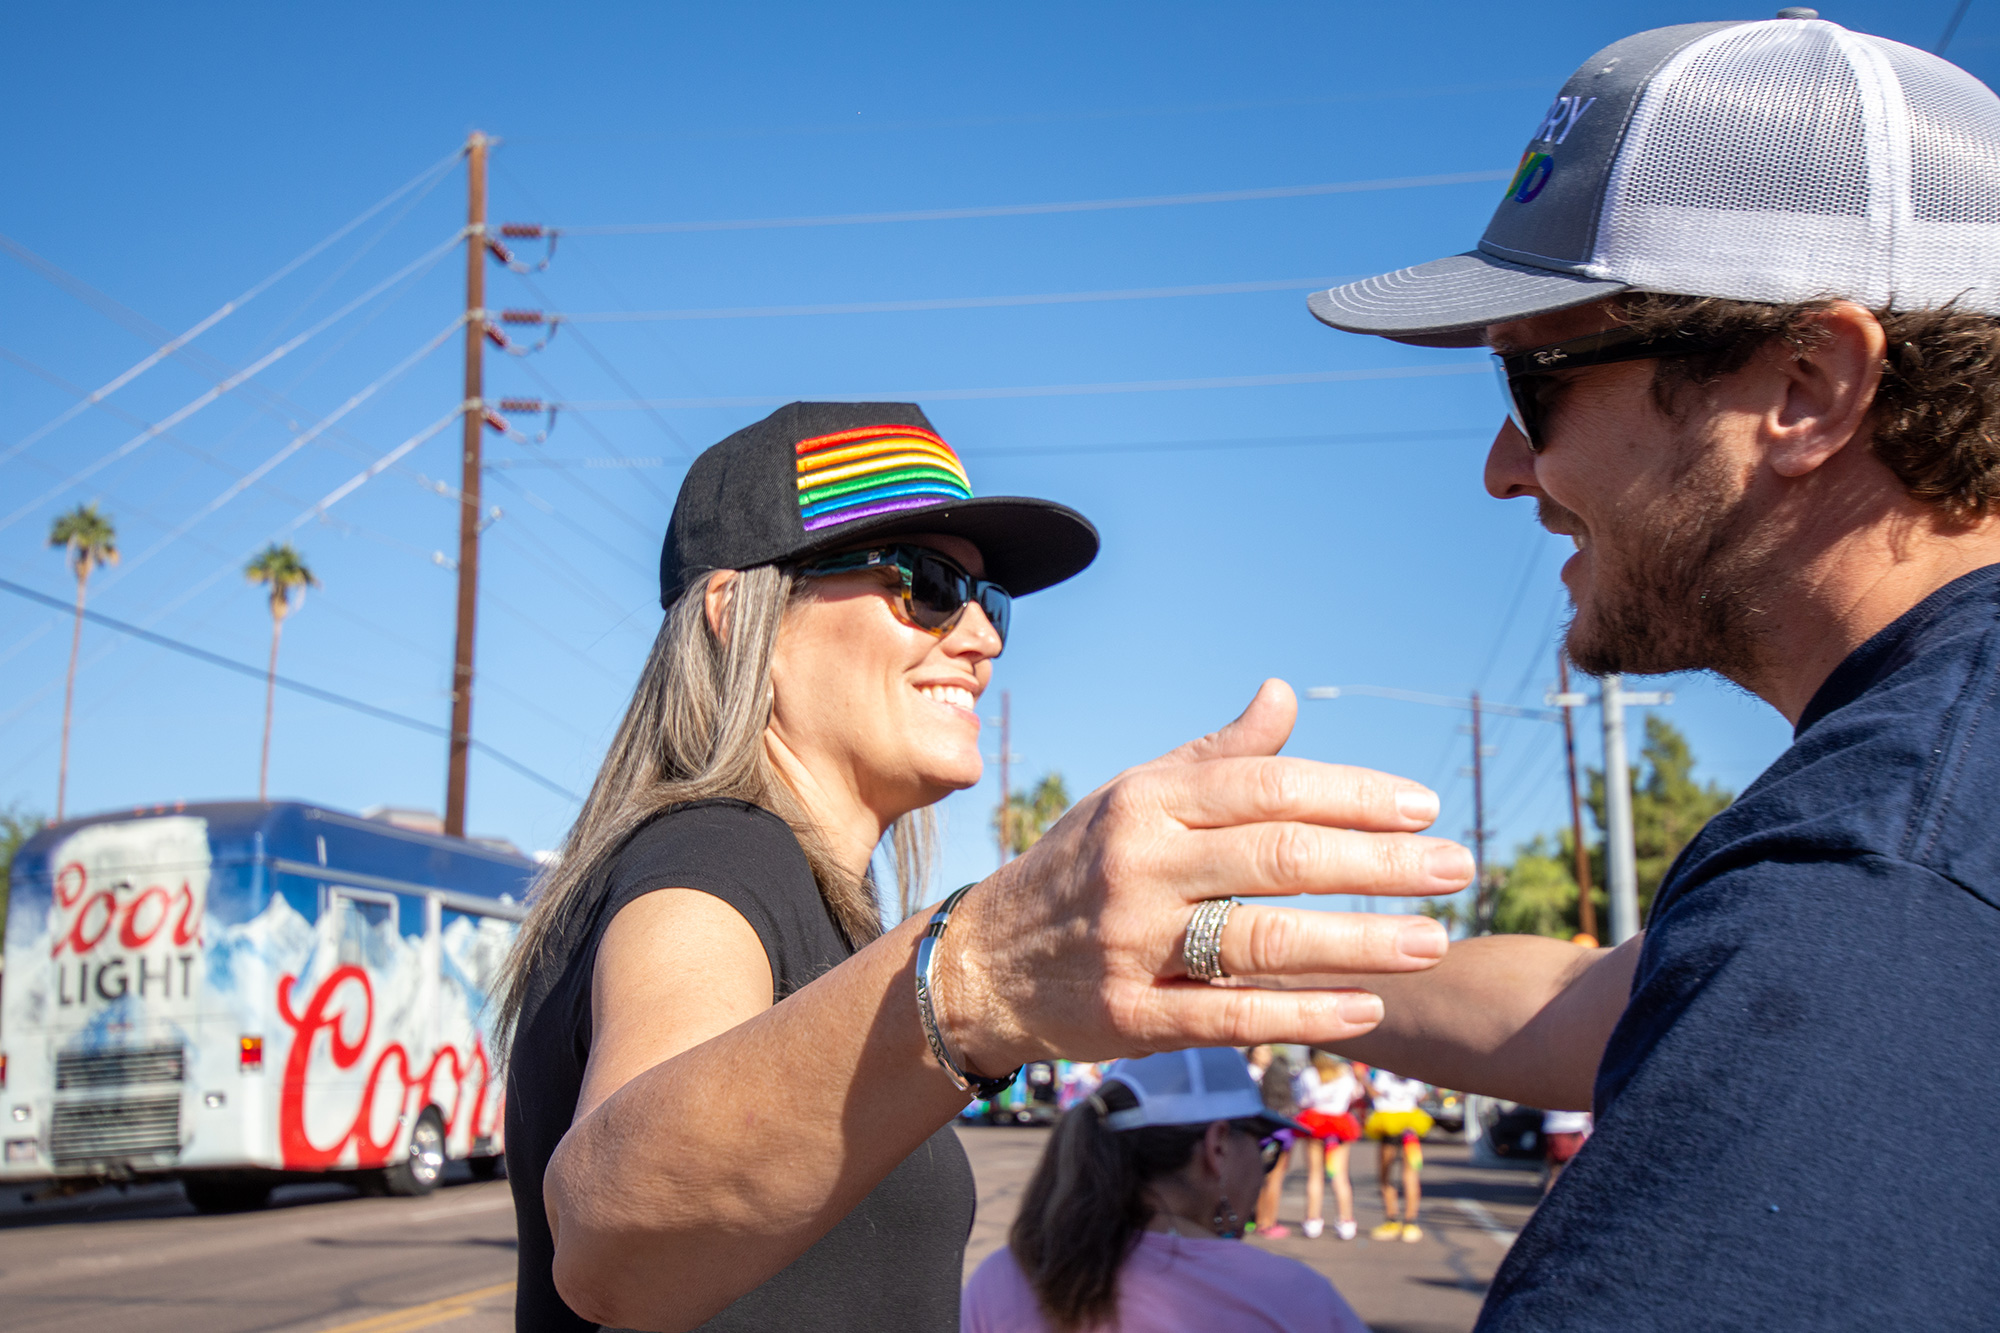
x=1586, y=908
x=1482, y=896
x=468, y=498
x=1006, y=740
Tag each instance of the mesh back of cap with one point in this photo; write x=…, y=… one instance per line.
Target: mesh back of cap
x=1788, y=160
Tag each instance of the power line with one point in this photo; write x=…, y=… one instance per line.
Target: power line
x=1223, y=445
x=1052, y=390
x=296, y=443
x=1033, y=210
x=945, y=303
x=61, y=279
x=1951, y=28
x=862, y=126
x=206, y=398
x=616, y=375
x=299, y=687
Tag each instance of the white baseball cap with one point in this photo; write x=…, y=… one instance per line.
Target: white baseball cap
x=1775, y=161
x=1194, y=1087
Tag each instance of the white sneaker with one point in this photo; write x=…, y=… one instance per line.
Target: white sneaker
x=1344, y=1230
x=1313, y=1226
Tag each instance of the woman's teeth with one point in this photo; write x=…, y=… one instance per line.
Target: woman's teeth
x=955, y=695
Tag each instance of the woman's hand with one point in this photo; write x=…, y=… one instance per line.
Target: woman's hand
x=1074, y=949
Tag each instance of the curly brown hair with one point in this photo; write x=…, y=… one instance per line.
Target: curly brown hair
x=1936, y=416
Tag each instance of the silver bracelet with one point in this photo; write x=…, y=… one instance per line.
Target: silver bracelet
x=1202, y=950
x=972, y=1084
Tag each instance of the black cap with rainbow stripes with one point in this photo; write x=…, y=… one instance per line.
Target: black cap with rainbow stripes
x=818, y=477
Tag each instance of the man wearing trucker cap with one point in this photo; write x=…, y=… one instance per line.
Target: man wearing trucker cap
x=1744, y=295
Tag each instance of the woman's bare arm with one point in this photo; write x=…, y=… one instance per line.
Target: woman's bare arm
x=690, y=1174
x=1514, y=1016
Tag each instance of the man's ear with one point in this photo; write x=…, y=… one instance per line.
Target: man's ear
x=1828, y=389
x=715, y=598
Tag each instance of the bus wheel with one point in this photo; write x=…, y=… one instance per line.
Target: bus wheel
x=209, y=1195
x=419, y=1172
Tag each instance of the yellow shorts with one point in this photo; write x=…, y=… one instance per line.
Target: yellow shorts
x=1387, y=1125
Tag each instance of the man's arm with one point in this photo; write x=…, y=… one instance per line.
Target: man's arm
x=1514, y=1016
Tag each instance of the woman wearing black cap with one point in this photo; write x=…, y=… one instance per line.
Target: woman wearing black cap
x=708, y=951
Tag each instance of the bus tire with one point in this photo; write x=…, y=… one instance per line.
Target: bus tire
x=422, y=1167
x=210, y=1194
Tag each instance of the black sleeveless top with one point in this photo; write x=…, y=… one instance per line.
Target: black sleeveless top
x=896, y=1261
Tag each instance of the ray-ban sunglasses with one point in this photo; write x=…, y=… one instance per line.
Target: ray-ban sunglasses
x=931, y=591
x=1523, y=375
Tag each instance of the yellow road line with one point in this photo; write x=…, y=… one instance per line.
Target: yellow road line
x=422, y=1316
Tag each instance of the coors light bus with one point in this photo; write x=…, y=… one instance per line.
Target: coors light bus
x=240, y=994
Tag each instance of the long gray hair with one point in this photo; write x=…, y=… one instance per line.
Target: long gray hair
x=693, y=732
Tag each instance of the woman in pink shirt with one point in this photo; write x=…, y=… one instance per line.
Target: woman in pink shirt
x=1134, y=1217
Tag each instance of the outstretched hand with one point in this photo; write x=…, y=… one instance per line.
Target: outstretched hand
x=1074, y=949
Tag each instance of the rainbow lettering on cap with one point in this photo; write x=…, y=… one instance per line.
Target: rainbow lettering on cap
x=1530, y=176
x=870, y=470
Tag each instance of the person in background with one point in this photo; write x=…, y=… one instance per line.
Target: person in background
x=1326, y=1091
x=1563, y=1133
x=1398, y=1124
x=1274, y=1080
x=1134, y=1215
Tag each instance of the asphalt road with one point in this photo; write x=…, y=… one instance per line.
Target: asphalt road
x=321, y=1260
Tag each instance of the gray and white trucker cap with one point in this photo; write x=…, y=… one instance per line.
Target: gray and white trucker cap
x=1781, y=160
x=1194, y=1087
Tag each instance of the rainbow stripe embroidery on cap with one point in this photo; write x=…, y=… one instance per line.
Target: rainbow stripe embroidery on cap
x=870, y=470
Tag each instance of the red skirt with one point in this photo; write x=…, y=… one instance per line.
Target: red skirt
x=1559, y=1148
x=1340, y=1128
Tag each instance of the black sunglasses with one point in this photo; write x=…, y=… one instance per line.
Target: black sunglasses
x=932, y=592
x=1270, y=1142
x=1518, y=371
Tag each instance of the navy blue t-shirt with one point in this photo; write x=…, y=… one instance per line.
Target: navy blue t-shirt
x=1798, y=1115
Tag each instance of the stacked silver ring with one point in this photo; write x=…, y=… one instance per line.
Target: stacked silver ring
x=1203, y=950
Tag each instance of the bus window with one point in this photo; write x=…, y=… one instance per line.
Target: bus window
x=359, y=924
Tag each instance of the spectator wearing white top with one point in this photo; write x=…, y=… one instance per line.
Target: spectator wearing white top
x=1326, y=1091
x=1396, y=1121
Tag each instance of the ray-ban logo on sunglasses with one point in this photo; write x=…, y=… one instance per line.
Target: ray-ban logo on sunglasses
x=1550, y=356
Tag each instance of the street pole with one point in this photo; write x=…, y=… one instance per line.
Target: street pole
x=468, y=505
x=1586, y=905
x=1482, y=898
x=1619, y=854
x=1006, y=746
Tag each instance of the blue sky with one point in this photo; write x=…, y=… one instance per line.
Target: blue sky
x=1320, y=520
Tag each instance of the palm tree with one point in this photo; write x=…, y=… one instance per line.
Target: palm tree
x=281, y=570
x=1030, y=813
x=89, y=539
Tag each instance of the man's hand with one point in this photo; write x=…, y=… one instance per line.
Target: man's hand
x=1074, y=949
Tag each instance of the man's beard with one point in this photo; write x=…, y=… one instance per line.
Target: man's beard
x=1679, y=589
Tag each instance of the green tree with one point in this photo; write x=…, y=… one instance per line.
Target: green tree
x=1537, y=889
x=1029, y=814
x=89, y=540
x=15, y=829
x=280, y=569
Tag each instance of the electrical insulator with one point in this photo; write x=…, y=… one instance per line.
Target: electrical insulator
x=495, y=422
x=521, y=231
x=497, y=338
x=500, y=252
x=522, y=317
x=525, y=406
